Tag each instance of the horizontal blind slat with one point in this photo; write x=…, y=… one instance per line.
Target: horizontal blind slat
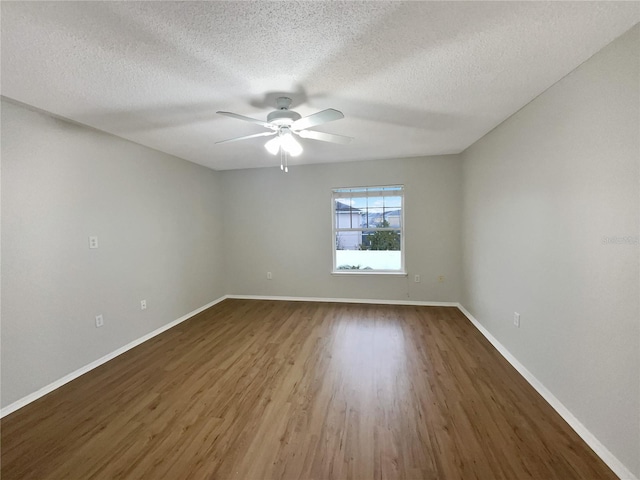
x=369, y=192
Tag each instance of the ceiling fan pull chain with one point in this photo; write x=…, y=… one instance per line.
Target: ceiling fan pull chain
x=286, y=162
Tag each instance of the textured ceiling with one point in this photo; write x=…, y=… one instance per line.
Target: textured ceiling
x=412, y=78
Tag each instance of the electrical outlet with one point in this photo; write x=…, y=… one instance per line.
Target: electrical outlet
x=99, y=321
x=440, y=278
x=269, y=276
x=516, y=319
x=143, y=304
x=416, y=279
x=93, y=242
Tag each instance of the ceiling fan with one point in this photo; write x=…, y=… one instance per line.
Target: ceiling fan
x=285, y=124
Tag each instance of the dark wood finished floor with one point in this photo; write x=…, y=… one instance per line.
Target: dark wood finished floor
x=296, y=390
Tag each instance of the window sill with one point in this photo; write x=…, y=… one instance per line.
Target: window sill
x=368, y=272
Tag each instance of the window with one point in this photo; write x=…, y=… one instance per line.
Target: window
x=368, y=229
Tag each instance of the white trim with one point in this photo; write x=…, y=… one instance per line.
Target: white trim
x=336, y=195
x=346, y=300
x=368, y=191
x=81, y=371
x=607, y=457
x=590, y=439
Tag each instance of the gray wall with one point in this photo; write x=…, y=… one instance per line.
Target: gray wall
x=179, y=235
x=540, y=193
x=282, y=223
x=158, y=221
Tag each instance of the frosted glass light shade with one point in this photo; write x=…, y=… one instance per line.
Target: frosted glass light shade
x=273, y=145
x=291, y=145
x=286, y=142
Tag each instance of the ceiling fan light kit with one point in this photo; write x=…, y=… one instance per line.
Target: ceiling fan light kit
x=284, y=124
x=284, y=141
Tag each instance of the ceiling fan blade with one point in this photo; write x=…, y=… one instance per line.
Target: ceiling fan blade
x=325, y=137
x=263, y=134
x=246, y=119
x=328, y=115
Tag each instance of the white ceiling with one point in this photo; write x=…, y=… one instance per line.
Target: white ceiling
x=412, y=78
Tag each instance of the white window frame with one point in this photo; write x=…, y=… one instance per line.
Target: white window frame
x=361, y=192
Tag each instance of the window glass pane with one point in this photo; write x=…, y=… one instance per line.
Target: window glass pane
x=368, y=260
x=375, y=202
x=345, y=213
x=381, y=240
x=392, y=202
x=359, y=202
x=374, y=212
x=359, y=215
x=348, y=240
x=393, y=218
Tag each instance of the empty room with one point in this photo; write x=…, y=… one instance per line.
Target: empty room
x=320, y=240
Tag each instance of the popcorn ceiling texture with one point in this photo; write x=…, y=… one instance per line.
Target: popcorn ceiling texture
x=412, y=78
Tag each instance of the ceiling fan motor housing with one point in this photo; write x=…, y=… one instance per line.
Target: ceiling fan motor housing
x=283, y=103
x=283, y=117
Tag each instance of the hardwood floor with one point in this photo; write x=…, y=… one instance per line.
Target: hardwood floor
x=298, y=390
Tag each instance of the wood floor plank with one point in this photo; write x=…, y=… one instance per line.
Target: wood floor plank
x=299, y=390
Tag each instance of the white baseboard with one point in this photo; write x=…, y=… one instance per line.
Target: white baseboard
x=607, y=457
x=345, y=300
x=81, y=371
x=616, y=465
